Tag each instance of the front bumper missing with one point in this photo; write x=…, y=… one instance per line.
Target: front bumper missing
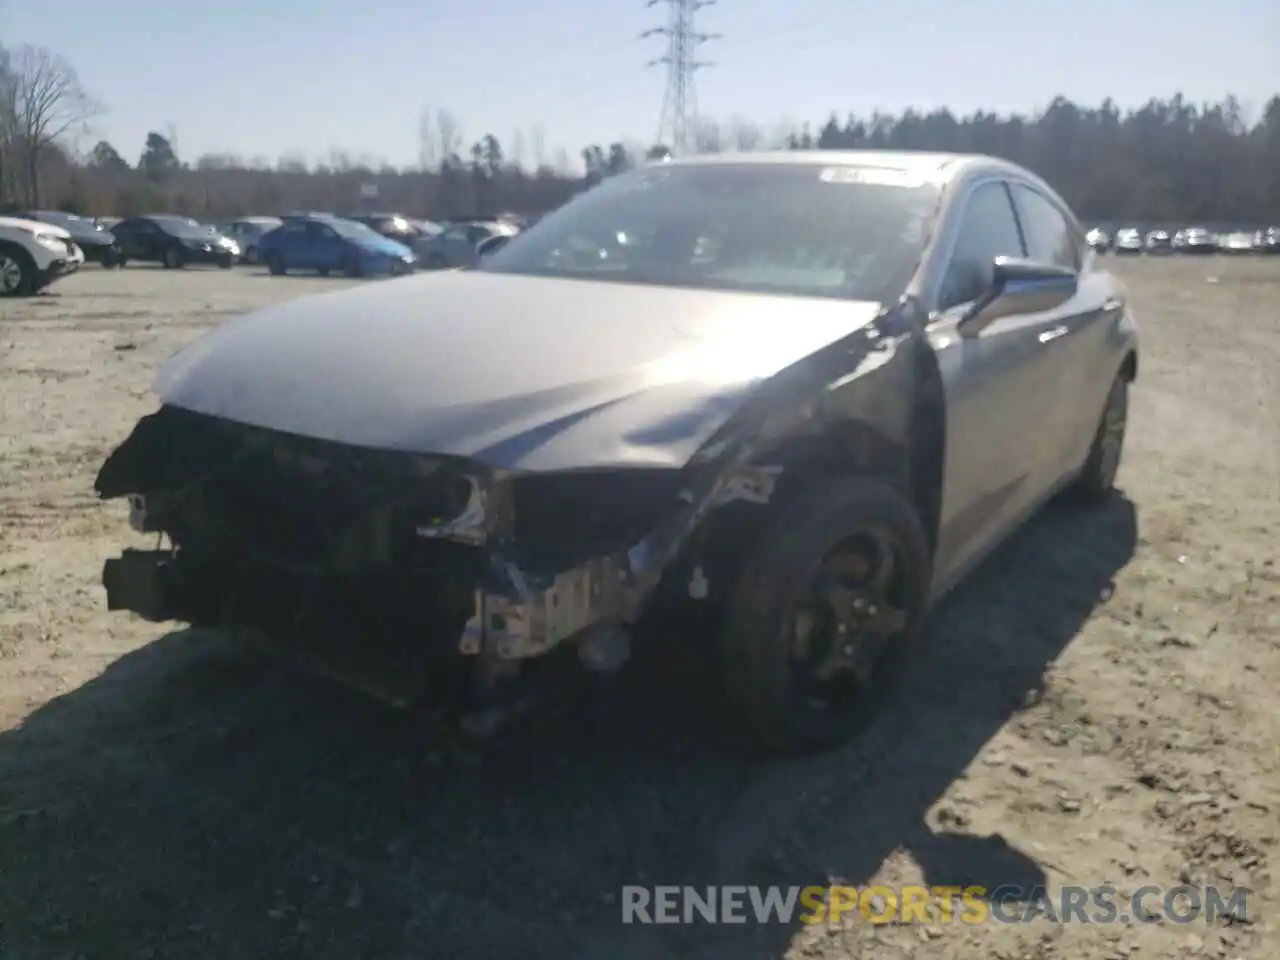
x=57, y=269
x=517, y=614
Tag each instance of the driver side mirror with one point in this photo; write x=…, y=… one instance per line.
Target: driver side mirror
x=492, y=244
x=1019, y=286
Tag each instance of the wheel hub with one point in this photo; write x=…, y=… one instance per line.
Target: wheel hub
x=845, y=624
x=10, y=274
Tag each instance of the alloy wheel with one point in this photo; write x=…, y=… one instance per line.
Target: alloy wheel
x=846, y=622
x=10, y=274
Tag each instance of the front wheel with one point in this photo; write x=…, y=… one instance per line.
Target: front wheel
x=275, y=264
x=227, y=262
x=352, y=265
x=173, y=259
x=826, y=613
x=1098, y=478
x=17, y=272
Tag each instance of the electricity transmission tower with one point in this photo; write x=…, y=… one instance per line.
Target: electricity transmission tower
x=678, y=119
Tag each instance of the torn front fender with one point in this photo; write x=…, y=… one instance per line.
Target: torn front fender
x=863, y=386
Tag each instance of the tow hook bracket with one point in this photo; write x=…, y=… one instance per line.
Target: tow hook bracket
x=133, y=582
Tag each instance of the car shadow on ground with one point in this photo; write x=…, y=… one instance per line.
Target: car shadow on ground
x=187, y=803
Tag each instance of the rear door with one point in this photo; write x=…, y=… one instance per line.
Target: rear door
x=131, y=235
x=995, y=468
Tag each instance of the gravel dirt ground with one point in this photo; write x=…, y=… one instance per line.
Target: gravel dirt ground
x=1096, y=708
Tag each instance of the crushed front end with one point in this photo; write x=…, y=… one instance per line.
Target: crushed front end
x=386, y=569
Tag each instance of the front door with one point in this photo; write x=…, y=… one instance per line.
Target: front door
x=999, y=394
x=1080, y=342
x=324, y=247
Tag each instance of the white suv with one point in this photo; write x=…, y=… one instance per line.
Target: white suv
x=33, y=255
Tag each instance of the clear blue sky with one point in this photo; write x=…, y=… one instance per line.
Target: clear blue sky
x=264, y=78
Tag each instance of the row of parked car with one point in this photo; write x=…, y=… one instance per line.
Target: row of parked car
x=39, y=246
x=1133, y=240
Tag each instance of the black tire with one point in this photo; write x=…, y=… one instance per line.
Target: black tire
x=275, y=264
x=352, y=266
x=110, y=259
x=17, y=271
x=436, y=262
x=227, y=262
x=767, y=600
x=173, y=258
x=251, y=256
x=1097, y=480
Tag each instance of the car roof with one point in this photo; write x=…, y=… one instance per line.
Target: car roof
x=923, y=163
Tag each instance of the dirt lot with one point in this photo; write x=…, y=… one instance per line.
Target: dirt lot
x=1097, y=708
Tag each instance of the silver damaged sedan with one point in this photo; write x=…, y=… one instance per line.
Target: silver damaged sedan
x=814, y=389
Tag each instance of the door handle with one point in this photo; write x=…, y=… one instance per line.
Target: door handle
x=1054, y=334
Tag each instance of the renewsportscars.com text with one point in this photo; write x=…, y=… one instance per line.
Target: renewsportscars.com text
x=930, y=905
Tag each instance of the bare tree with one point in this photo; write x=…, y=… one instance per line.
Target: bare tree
x=538, y=136
x=450, y=134
x=49, y=103
x=744, y=135
x=707, y=138
x=428, y=155
x=517, y=153
x=8, y=125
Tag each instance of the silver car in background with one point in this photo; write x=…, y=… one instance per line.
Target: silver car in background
x=246, y=232
x=457, y=244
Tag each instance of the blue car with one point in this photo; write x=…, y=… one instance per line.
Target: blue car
x=333, y=245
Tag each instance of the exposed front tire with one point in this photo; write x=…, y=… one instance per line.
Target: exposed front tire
x=173, y=259
x=275, y=264
x=436, y=262
x=826, y=613
x=352, y=266
x=1098, y=479
x=17, y=272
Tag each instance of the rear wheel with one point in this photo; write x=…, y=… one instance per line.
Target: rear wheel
x=1098, y=479
x=826, y=613
x=17, y=272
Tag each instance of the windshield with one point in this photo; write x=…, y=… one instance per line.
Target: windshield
x=68, y=220
x=353, y=230
x=182, y=227
x=797, y=229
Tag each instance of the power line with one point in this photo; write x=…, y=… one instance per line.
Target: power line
x=680, y=100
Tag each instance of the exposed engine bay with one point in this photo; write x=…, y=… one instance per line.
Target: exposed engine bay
x=374, y=566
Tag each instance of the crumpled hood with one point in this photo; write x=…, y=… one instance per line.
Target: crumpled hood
x=519, y=372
